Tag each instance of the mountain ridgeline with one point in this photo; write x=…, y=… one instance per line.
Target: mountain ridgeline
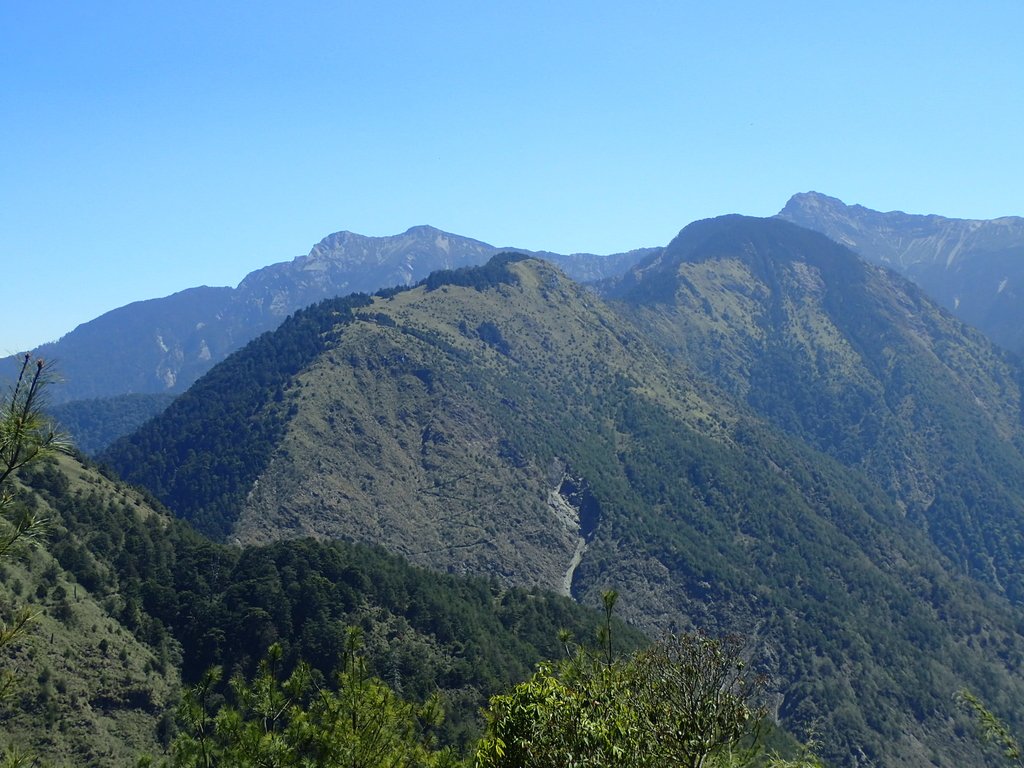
x=752, y=430
x=974, y=268
x=161, y=346
x=858, y=364
x=152, y=350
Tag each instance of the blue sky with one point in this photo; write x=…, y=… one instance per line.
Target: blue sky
x=151, y=147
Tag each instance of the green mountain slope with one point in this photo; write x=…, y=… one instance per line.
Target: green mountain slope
x=857, y=363
x=163, y=345
x=90, y=691
x=94, y=424
x=508, y=422
x=132, y=602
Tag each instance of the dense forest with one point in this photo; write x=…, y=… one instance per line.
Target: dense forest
x=95, y=423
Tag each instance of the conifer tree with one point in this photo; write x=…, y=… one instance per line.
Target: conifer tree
x=26, y=436
x=274, y=721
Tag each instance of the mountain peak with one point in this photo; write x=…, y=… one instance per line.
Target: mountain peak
x=972, y=267
x=812, y=201
x=764, y=245
x=421, y=230
x=746, y=236
x=351, y=248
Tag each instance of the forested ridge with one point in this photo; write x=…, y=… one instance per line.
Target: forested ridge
x=856, y=363
x=95, y=423
x=336, y=652
x=960, y=263
x=368, y=661
x=748, y=412
x=240, y=407
x=223, y=406
x=200, y=604
x=753, y=433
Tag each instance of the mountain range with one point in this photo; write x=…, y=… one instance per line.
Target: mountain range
x=974, y=268
x=757, y=429
x=751, y=430
x=163, y=345
x=124, y=367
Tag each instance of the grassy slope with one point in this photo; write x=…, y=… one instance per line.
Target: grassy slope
x=94, y=693
x=414, y=427
x=90, y=693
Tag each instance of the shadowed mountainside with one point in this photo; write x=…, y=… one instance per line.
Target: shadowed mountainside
x=974, y=268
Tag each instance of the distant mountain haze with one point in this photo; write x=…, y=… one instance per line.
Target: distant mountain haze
x=975, y=268
x=163, y=345
x=764, y=427
x=155, y=348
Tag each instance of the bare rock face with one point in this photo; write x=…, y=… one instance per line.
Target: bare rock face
x=975, y=268
x=345, y=262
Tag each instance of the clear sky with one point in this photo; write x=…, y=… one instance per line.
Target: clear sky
x=147, y=147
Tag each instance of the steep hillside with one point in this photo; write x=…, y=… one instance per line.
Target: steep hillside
x=508, y=422
x=973, y=268
x=94, y=424
x=163, y=345
x=129, y=600
x=858, y=364
x=89, y=692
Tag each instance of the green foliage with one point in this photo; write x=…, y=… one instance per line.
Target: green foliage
x=274, y=721
x=985, y=253
x=993, y=730
x=490, y=275
x=550, y=723
x=699, y=698
x=200, y=604
x=26, y=436
x=782, y=437
x=490, y=334
x=96, y=423
x=89, y=693
x=201, y=458
x=684, y=701
x=855, y=363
